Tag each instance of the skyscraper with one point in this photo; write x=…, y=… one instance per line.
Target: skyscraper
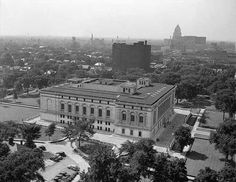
x=126, y=56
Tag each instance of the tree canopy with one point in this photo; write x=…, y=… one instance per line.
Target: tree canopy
x=225, y=138
x=22, y=165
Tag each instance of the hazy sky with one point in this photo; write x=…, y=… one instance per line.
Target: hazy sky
x=215, y=19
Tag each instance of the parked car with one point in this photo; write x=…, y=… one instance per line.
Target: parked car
x=43, y=148
x=73, y=167
x=62, y=154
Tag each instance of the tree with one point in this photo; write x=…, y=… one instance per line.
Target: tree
x=225, y=138
x=3, y=93
x=176, y=170
x=140, y=156
x=78, y=130
x=104, y=165
x=207, y=175
x=8, y=130
x=226, y=101
x=22, y=165
x=30, y=132
x=227, y=174
x=183, y=137
x=171, y=78
x=4, y=150
x=50, y=130
x=15, y=96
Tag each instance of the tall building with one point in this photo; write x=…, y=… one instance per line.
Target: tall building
x=126, y=56
x=132, y=109
x=177, y=33
x=187, y=43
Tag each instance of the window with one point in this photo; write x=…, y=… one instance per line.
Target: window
x=84, y=100
x=131, y=132
x=123, y=115
x=62, y=96
x=100, y=101
x=108, y=113
x=92, y=110
x=69, y=97
x=69, y=108
x=108, y=102
x=123, y=89
x=76, y=109
x=76, y=98
x=140, y=134
x=141, y=118
x=84, y=110
x=141, y=108
x=108, y=129
x=100, y=112
x=132, y=117
x=62, y=106
x=123, y=131
x=98, y=122
x=98, y=127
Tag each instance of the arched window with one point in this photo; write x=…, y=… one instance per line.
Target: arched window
x=108, y=112
x=132, y=117
x=123, y=115
x=141, y=118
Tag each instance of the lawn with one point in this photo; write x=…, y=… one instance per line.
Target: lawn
x=213, y=119
x=203, y=154
x=167, y=136
x=57, y=135
x=16, y=113
x=31, y=100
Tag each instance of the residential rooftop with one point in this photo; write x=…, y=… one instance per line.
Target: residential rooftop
x=113, y=89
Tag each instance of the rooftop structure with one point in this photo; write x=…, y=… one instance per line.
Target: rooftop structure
x=134, y=109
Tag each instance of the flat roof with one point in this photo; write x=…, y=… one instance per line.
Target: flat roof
x=203, y=154
x=146, y=95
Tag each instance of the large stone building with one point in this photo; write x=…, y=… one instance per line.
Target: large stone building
x=126, y=56
x=125, y=108
x=187, y=43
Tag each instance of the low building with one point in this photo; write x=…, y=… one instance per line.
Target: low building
x=133, y=109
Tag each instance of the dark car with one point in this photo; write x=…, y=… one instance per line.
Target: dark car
x=61, y=154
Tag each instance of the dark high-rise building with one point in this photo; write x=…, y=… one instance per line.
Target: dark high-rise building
x=126, y=56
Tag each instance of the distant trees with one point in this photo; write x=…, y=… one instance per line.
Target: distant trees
x=225, y=138
x=6, y=59
x=50, y=130
x=30, y=132
x=22, y=165
x=78, y=130
x=183, y=137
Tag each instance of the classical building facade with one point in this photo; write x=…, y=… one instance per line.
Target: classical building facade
x=187, y=43
x=133, y=109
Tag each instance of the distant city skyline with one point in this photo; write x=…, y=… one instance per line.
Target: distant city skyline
x=146, y=19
